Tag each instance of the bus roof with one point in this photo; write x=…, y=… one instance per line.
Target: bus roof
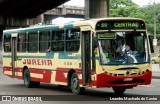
x=91, y=22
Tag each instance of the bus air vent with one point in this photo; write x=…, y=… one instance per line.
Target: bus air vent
x=127, y=68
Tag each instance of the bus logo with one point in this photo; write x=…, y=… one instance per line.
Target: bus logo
x=128, y=79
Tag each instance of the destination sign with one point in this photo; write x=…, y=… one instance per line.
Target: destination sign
x=126, y=25
x=102, y=25
x=104, y=35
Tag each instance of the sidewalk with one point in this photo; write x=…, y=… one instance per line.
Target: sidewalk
x=156, y=71
x=156, y=75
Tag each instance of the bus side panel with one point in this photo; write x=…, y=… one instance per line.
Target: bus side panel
x=46, y=75
x=61, y=74
x=58, y=76
x=40, y=75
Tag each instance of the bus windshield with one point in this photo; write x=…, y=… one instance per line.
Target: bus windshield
x=123, y=47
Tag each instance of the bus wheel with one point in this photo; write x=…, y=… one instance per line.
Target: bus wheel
x=27, y=81
x=76, y=89
x=119, y=91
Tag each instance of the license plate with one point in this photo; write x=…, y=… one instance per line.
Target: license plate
x=128, y=79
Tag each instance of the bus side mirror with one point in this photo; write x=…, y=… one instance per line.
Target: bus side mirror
x=94, y=42
x=151, y=43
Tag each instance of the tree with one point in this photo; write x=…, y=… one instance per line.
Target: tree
x=122, y=8
x=127, y=8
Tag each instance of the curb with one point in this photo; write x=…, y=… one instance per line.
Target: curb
x=155, y=77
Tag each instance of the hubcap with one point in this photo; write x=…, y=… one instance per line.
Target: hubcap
x=75, y=83
x=26, y=79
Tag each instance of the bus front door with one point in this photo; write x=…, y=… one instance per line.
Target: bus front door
x=14, y=53
x=86, y=57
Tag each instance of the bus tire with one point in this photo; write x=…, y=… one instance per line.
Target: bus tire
x=119, y=91
x=75, y=88
x=27, y=80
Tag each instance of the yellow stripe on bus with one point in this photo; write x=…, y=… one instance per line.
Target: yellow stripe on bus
x=36, y=75
x=19, y=73
x=8, y=72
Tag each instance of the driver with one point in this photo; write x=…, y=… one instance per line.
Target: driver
x=122, y=48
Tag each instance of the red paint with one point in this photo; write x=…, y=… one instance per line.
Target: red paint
x=32, y=70
x=46, y=76
x=19, y=77
x=103, y=80
x=5, y=68
x=94, y=83
x=35, y=79
x=18, y=69
x=60, y=77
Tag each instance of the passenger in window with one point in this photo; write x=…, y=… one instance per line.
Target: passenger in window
x=60, y=45
x=55, y=47
x=24, y=49
x=8, y=47
x=49, y=49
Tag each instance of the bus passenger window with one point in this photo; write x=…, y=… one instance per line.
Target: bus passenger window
x=58, y=40
x=72, y=40
x=33, y=42
x=7, y=43
x=44, y=41
x=22, y=42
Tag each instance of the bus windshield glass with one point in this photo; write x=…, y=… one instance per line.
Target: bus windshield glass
x=123, y=47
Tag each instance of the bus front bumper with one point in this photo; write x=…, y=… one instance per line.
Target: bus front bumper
x=105, y=80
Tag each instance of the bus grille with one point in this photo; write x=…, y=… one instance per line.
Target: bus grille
x=127, y=82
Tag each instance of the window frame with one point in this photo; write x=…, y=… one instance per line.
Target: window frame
x=72, y=40
x=49, y=41
x=5, y=43
x=54, y=40
x=28, y=42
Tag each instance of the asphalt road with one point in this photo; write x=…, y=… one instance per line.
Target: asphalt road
x=10, y=86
